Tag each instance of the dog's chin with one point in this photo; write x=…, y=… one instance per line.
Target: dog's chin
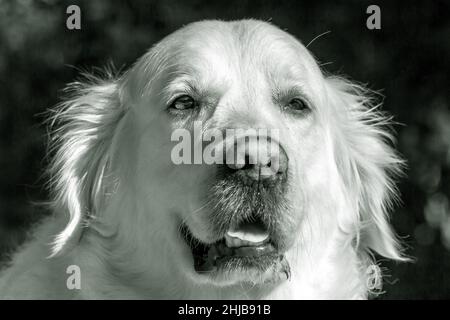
x=221, y=263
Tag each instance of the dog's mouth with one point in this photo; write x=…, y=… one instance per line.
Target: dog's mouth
x=244, y=247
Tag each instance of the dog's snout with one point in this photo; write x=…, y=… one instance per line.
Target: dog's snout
x=258, y=158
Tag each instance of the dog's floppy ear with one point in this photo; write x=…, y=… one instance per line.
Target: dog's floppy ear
x=81, y=130
x=367, y=163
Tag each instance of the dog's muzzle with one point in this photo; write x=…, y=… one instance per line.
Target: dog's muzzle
x=245, y=204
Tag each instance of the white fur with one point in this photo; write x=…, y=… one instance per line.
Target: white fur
x=118, y=201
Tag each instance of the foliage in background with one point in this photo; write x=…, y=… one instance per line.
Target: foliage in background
x=408, y=59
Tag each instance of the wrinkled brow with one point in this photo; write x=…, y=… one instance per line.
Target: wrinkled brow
x=195, y=86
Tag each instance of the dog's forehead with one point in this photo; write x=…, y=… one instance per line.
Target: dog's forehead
x=214, y=54
x=236, y=48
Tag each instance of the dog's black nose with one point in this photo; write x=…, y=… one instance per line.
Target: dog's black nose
x=258, y=159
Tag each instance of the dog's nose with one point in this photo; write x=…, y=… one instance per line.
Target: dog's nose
x=258, y=158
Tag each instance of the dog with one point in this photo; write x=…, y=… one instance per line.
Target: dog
x=131, y=221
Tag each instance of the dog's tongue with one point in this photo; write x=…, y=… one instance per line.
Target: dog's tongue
x=246, y=234
x=249, y=239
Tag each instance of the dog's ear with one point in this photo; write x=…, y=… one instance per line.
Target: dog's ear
x=81, y=131
x=367, y=163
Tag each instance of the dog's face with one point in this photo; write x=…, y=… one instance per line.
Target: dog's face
x=252, y=217
x=232, y=224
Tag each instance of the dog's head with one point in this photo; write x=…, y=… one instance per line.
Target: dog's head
x=226, y=156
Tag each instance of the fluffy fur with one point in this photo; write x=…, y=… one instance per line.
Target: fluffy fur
x=118, y=201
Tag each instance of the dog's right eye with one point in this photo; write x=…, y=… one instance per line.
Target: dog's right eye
x=297, y=105
x=183, y=103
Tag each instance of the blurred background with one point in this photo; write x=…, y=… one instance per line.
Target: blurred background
x=408, y=60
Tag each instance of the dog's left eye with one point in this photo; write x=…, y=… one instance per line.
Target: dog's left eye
x=298, y=105
x=183, y=103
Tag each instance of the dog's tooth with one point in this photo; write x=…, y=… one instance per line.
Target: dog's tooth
x=228, y=240
x=237, y=243
x=231, y=242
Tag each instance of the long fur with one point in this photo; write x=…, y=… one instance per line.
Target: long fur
x=81, y=134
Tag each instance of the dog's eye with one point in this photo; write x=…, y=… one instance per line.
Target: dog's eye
x=183, y=103
x=297, y=105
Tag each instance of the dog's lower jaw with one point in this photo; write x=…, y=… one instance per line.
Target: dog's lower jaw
x=110, y=278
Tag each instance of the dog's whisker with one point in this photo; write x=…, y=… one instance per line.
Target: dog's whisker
x=317, y=37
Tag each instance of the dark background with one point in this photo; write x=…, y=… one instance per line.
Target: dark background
x=408, y=60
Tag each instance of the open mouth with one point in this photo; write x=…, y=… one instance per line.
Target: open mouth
x=243, y=247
